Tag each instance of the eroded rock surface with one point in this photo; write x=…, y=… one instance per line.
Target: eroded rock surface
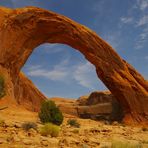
x=22, y=30
x=29, y=96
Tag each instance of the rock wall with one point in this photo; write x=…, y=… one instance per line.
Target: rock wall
x=27, y=94
x=22, y=30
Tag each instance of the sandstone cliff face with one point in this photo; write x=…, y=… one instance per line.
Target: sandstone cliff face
x=29, y=96
x=100, y=97
x=98, y=105
x=21, y=30
x=96, y=97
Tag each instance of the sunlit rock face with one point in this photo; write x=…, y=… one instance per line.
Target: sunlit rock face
x=22, y=30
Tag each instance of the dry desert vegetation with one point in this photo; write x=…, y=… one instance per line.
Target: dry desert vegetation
x=89, y=133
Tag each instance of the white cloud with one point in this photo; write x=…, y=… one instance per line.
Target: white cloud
x=53, y=48
x=143, y=21
x=55, y=74
x=84, y=75
x=142, y=4
x=58, y=73
x=142, y=39
x=126, y=20
x=33, y=67
x=113, y=38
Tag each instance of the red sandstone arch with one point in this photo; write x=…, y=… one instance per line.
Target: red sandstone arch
x=21, y=30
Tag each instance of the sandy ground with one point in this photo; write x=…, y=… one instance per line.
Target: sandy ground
x=91, y=134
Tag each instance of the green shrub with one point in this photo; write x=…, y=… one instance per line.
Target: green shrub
x=73, y=122
x=28, y=125
x=49, y=129
x=50, y=113
x=2, y=86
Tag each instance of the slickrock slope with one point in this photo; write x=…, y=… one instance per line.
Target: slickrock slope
x=26, y=94
x=29, y=96
x=22, y=30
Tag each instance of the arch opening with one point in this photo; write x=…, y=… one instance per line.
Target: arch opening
x=61, y=71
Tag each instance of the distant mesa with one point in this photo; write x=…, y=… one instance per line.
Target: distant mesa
x=23, y=29
x=97, y=106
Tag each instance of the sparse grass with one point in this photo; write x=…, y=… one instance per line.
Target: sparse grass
x=85, y=146
x=125, y=144
x=2, y=86
x=145, y=141
x=28, y=125
x=49, y=129
x=10, y=138
x=73, y=122
x=76, y=131
x=2, y=123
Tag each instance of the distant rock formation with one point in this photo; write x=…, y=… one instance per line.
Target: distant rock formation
x=22, y=30
x=100, y=105
x=100, y=97
x=97, y=105
x=96, y=97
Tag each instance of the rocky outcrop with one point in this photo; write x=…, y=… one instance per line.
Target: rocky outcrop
x=21, y=30
x=100, y=106
x=79, y=108
x=100, y=97
x=97, y=106
x=29, y=96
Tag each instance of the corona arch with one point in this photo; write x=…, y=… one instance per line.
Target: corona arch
x=22, y=30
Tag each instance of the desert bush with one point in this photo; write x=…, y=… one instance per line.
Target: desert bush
x=73, y=122
x=125, y=144
x=28, y=125
x=144, y=129
x=49, y=112
x=2, y=87
x=75, y=131
x=49, y=129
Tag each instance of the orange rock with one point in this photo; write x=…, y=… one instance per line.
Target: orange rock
x=22, y=30
x=27, y=94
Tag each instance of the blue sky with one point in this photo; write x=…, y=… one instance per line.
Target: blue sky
x=58, y=70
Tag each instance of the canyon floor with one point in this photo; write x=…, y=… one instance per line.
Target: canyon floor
x=91, y=134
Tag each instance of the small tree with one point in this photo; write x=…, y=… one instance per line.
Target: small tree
x=49, y=112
